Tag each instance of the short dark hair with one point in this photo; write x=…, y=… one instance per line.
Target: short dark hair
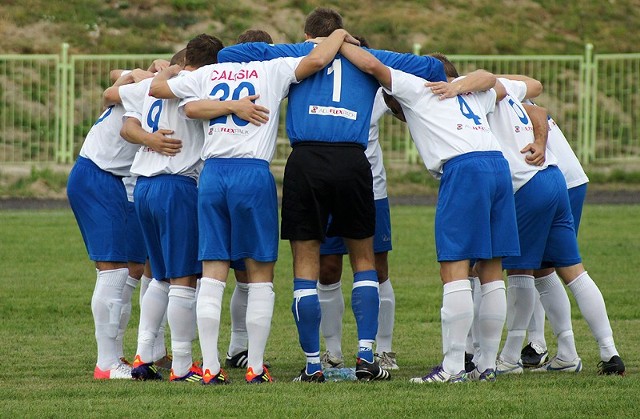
x=203, y=50
x=179, y=57
x=254, y=35
x=322, y=22
x=363, y=41
x=449, y=68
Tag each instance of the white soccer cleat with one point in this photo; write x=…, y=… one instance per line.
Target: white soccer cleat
x=387, y=361
x=504, y=367
x=329, y=361
x=557, y=364
x=439, y=375
x=120, y=372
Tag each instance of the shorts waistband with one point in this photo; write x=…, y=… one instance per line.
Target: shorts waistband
x=473, y=155
x=167, y=177
x=83, y=161
x=312, y=143
x=218, y=161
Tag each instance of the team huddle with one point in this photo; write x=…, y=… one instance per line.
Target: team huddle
x=172, y=189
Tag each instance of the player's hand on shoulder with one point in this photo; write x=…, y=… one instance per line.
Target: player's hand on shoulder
x=443, y=89
x=158, y=65
x=535, y=154
x=249, y=111
x=160, y=142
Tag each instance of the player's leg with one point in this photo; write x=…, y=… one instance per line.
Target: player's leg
x=238, y=343
x=331, y=300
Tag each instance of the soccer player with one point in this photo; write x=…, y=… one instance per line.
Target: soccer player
x=99, y=202
x=328, y=118
x=457, y=147
x=546, y=232
x=237, y=203
x=331, y=255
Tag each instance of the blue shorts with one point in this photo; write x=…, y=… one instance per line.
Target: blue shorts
x=238, y=208
x=136, y=249
x=381, y=238
x=99, y=202
x=577, y=196
x=545, y=223
x=475, y=214
x=167, y=206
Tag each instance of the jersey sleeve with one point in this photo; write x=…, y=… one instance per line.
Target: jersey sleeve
x=406, y=88
x=515, y=88
x=132, y=95
x=428, y=68
x=261, y=51
x=187, y=83
x=284, y=72
x=488, y=100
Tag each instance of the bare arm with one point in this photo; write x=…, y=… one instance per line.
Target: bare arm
x=367, y=63
x=322, y=54
x=476, y=81
x=244, y=108
x=537, y=149
x=159, y=86
x=158, y=141
x=111, y=95
x=158, y=65
x=534, y=87
x=501, y=92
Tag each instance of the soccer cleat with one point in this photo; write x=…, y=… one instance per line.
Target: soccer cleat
x=316, y=377
x=221, y=378
x=239, y=360
x=123, y=360
x=504, y=367
x=194, y=375
x=387, y=361
x=468, y=362
x=144, y=371
x=533, y=355
x=557, y=364
x=370, y=371
x=120, y=372
x=263, y=377
x=439, y=375
x=329, y=361
x=614, y=366
x=488, y=375
x=164, y=362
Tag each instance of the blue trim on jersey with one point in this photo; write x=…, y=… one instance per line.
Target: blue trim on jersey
x=99, y=202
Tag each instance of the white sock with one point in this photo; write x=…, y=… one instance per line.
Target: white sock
x=106, y=306
x=476, y=290
x=520, y=300
x=181, y=316
x=152, y=311
x=144, y=285
x=594, y=311
x=535, y=331
x=491, y=318
x=209, y=312
x=239, y=339
x=456, y=316
x=160, y=344
x=125, y=314
x=555, y=301
x=386, y=317
x=259, y=314
x=332, y=307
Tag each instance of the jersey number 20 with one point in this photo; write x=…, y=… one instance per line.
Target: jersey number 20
x=223, y=90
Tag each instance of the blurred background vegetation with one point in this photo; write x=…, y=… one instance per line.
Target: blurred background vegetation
x=451, y=26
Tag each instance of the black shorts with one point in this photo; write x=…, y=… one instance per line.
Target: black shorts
x=322, y=179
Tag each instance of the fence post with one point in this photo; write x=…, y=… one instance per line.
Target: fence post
x=585, y=151
x=61, y=99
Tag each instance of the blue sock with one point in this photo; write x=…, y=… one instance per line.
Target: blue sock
x=365, y=303
x=306, y=312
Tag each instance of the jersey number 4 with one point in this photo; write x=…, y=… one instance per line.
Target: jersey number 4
x=466, y=111
x=221, y=92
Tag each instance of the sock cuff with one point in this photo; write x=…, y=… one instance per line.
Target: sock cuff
x=492, y=286
x=211, y=282
x=182, y=291
x=329, y=287
x=260, y=285
x=113, y=278
x=304, y=284
x=370, y=275
x=521, y=281
x=579, y=282
x=132, y=282
x=457, y=285
x=242, y=286
x=161, y=285
x=547, y=282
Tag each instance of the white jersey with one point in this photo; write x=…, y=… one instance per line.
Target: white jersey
x=105, y=147
x=512, y=126
x=443, y=129
x=155, y=114
x=130, y=185
x=229, y=136
x=374, y=151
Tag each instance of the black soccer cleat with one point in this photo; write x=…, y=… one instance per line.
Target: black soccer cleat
x=370, y=371
x=316, y=377
x=533, y=355
x=468, y=362
x=614, y=366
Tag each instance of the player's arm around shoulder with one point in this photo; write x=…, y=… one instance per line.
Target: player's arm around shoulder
x=534, y=87
x=476, y=81
x=160, y=87
x=322, y=54
x=367, y=63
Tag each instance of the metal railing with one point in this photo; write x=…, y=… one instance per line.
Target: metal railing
x=49, y=102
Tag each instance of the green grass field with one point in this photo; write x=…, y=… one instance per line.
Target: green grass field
x=48, y=350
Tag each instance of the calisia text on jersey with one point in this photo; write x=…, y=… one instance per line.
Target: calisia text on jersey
x=243, y=74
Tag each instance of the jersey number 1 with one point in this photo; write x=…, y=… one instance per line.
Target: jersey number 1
x=336, y=69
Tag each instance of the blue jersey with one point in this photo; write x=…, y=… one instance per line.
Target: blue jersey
x=335, y=104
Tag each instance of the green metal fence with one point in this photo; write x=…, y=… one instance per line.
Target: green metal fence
x=49, y=102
